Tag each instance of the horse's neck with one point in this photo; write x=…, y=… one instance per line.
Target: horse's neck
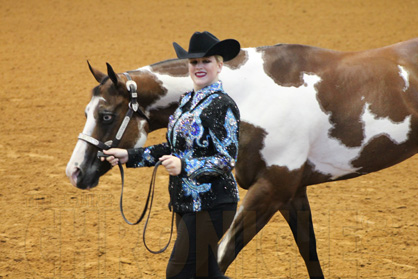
x=172, y=81
x=173, y=78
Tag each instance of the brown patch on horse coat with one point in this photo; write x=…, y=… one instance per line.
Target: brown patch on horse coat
x=150, y=88
x=311, y=176
x=159, y=116
x=367, y=160
x=174, y=68
x=238, y=61
x=285, y=64
x=286, y=184
x=356, y=80
x=250, y=163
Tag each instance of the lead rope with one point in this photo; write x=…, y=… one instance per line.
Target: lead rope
x=149, y=201
x=152, y=186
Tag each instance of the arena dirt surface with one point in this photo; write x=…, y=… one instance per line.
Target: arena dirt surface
x=366, y=227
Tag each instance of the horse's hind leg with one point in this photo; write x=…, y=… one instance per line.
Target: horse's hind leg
x=298, y=215
x=259, y=205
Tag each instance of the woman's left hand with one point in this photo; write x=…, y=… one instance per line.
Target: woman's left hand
x=172, y=164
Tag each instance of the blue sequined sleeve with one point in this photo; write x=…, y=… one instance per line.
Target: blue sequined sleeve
x=146, y=156
x=222, y=120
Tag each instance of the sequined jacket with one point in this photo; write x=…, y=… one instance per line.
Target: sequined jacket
x=203, y=133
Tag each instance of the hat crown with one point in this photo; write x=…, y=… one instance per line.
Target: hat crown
x=202, y=42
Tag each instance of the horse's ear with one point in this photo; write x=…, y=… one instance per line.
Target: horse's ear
x=112, y=75
x=96, y=73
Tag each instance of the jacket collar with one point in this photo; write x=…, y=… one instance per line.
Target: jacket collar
x=201, y=94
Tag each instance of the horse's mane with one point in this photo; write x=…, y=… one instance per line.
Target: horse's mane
x=164, y=61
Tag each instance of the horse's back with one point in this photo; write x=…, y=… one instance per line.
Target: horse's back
x=406, y=52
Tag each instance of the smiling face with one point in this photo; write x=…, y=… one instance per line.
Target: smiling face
x=204, y=71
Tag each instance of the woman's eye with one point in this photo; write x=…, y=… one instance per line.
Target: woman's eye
x=193, y=62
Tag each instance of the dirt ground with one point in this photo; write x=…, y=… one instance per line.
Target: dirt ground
x=366, y=227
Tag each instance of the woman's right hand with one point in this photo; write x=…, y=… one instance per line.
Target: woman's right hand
x=117, y=155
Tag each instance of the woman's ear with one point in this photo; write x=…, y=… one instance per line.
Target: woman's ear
x=220, y=65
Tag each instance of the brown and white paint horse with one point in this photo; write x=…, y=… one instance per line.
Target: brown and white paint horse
x=309, y=115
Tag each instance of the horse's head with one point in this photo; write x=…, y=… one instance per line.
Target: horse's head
x=105, y=115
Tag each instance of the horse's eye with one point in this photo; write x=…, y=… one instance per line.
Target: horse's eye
x=107, y=118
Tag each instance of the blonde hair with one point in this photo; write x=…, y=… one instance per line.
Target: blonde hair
x=219, y=58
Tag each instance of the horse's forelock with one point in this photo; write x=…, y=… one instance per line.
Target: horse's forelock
x=107, y=88
x=96, y=91
x=104, y=80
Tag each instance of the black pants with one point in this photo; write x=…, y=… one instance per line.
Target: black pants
x=195, y=250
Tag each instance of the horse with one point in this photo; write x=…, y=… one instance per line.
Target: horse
x=308, y=115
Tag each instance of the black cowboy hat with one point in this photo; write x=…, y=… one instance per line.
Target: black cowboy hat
x=205, y=44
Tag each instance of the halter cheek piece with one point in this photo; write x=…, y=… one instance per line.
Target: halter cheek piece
x=133, y=108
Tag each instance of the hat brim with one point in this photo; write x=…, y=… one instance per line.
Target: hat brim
x=228, y=49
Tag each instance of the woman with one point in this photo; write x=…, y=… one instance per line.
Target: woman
x=199, y=155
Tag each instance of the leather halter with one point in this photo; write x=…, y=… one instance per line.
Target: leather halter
x=133, y=108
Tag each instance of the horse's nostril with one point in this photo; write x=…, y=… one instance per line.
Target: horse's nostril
x=74, y=176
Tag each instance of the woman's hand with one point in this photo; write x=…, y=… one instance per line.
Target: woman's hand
x=172, y=164
x=117, y=155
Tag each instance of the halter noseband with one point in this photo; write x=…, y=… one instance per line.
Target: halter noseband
x=133, y=108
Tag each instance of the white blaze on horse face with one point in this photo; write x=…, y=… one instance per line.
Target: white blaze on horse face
x=80, y=149
x=90, y=109
x=405, y=76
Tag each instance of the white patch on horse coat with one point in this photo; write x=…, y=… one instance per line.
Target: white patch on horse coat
x=174, y=84
x=405, y=76
x=377, y=126
x=277, y=109
x=142, y=134
x=333, y=158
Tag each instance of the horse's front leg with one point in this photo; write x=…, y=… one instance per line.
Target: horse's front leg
x=259, y=205
x=299, y=217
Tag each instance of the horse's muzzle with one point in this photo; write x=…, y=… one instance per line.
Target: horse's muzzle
x=86, y=178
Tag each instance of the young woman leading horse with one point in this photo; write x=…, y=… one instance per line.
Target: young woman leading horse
x=307, y=116
x=199, y=155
